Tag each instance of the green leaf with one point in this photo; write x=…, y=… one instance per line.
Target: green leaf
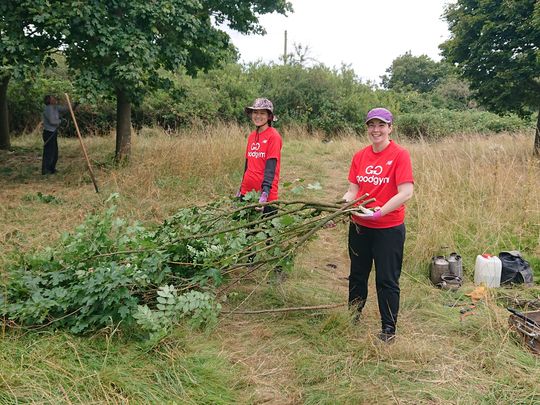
x=287, y=220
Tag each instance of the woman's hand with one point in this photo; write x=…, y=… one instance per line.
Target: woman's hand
x=351, y=193
x=262, y=199
x=348, y=196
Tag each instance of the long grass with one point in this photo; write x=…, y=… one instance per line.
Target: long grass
x=472, y=195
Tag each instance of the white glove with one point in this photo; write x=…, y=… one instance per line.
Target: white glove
x=369, y=214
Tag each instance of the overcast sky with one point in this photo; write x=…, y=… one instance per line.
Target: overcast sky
x=366, y=34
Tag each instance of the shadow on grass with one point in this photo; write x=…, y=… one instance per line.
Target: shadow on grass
x=20, y=164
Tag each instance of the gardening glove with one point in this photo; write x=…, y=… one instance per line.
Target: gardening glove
x=369, y=214
x=262, y=199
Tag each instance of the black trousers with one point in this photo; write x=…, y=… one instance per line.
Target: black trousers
x=384, y=247
x=268, y=211
x=50, y=152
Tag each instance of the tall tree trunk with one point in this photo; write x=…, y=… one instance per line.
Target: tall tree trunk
x=536, y=150
x=4, y=118
x=123, y=126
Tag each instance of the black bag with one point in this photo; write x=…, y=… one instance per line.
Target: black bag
x=515, y=269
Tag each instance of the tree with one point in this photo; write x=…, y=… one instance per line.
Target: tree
x=496, y=46
x=120, y=47
x=419, y=73
x=452, y=93
x=25, y=44
x=301, y=56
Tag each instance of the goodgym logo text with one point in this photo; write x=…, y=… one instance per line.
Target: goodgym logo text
x=373, y=176
x=254, y=151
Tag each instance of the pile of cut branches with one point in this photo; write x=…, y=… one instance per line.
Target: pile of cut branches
x=108, y=271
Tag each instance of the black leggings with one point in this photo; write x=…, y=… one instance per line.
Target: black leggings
x=384, y=247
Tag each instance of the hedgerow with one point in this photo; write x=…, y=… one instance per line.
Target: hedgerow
x=317, y=97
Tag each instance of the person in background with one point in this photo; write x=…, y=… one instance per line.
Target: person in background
x=263, y=155
x=51, y=121
x=384, y=171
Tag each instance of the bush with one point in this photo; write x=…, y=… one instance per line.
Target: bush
x=317, y=97
x=436, y=124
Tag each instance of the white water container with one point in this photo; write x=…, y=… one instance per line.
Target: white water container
x=487, y=270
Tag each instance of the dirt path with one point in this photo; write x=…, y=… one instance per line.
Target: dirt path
x=250, y=340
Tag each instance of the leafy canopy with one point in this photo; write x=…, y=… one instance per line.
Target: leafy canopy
x=126, y=44
x=496, y=44
x=25, y=36
x=419, y=73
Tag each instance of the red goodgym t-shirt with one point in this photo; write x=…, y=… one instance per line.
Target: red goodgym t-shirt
x=260, y=148
x=379, y=174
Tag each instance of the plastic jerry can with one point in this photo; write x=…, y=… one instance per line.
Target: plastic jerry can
x=487, y=270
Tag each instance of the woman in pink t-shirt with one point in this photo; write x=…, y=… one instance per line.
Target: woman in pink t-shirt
x=384, y=171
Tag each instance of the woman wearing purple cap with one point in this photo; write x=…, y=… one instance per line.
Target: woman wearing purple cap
x=384, y=171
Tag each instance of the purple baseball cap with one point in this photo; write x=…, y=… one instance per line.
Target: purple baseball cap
x=381, y=114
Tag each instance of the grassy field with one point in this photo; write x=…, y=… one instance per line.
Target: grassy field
x=472, y=195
